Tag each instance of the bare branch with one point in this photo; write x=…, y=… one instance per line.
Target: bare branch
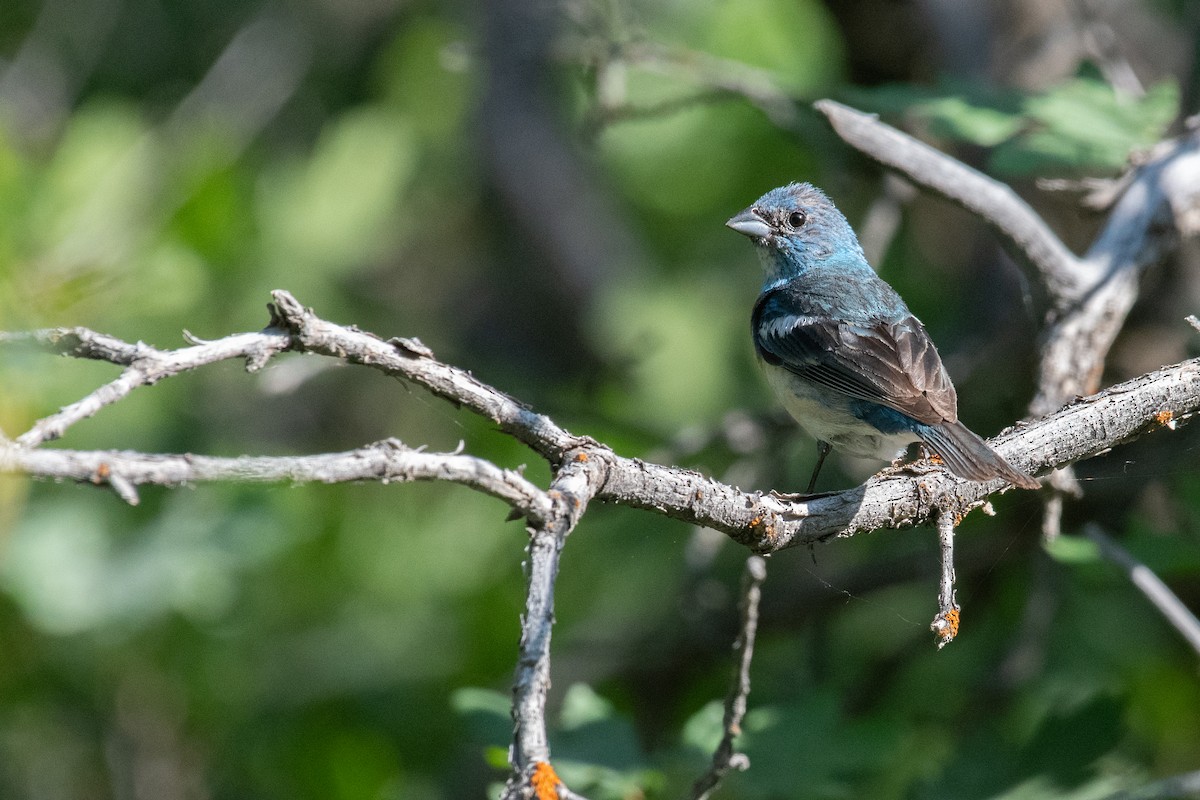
x=1157, y=592
x=77, y=342
x=387, y=461
x=764, y=523
x=570, y=492
x=725, y=757
x=945, y=624
x=145, y=366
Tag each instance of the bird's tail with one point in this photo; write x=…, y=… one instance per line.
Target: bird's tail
x=968, y=456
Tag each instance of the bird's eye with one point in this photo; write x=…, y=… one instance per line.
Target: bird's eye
x=797, y=219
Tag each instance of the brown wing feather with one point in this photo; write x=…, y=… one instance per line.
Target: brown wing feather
x=902, y=363
x=894, y=364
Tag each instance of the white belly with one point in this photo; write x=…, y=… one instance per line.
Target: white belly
x=825, y=415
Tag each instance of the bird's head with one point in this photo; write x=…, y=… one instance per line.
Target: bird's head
x=797, y=228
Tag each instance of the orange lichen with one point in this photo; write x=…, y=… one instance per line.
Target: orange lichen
x=952, y=619
x=545, y=781
x=945, y=625
x=1166, y=417
x=762, y=527
x=581, y=457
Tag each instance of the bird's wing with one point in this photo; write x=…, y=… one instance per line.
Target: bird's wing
x=894, y=364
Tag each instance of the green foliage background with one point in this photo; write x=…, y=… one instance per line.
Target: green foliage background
x=357, y=642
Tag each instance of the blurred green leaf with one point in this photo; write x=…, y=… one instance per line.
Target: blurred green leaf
x=472, y=700
x=1067, y=744
x=958, y=118
x=797, y=41
x=1084, y=125
x=704, y=729
x=329, y=213
x=496, y=757
x=1072, y=550
x=489, y=716
x=428, y=74
x=1081, y=125
x=583, y=706
x=680, y=370
x=608, y=784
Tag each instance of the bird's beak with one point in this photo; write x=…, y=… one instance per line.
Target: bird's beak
x=748, y=223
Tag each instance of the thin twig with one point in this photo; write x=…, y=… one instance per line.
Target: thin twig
x=725, y=758
x=1149, y=584
x=529, y=755
x=389, y=461
x=945, y=624
x=600, y=117
x=145, y=366
x=1052, y=511
x=76, y=342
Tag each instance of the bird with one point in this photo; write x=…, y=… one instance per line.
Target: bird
x=847, y=359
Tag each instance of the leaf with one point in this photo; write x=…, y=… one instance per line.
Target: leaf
x=1084, y=125
x=958, y=118
x=955, y=110
x=1081, y=125
x=704, y=729
x=474, y=700
x=582, y=706
x=1072, y=550
x=797, y=41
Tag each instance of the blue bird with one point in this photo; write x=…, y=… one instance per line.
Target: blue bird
x=842, y=351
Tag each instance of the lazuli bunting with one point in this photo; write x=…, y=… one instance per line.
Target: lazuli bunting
x=842, y=351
